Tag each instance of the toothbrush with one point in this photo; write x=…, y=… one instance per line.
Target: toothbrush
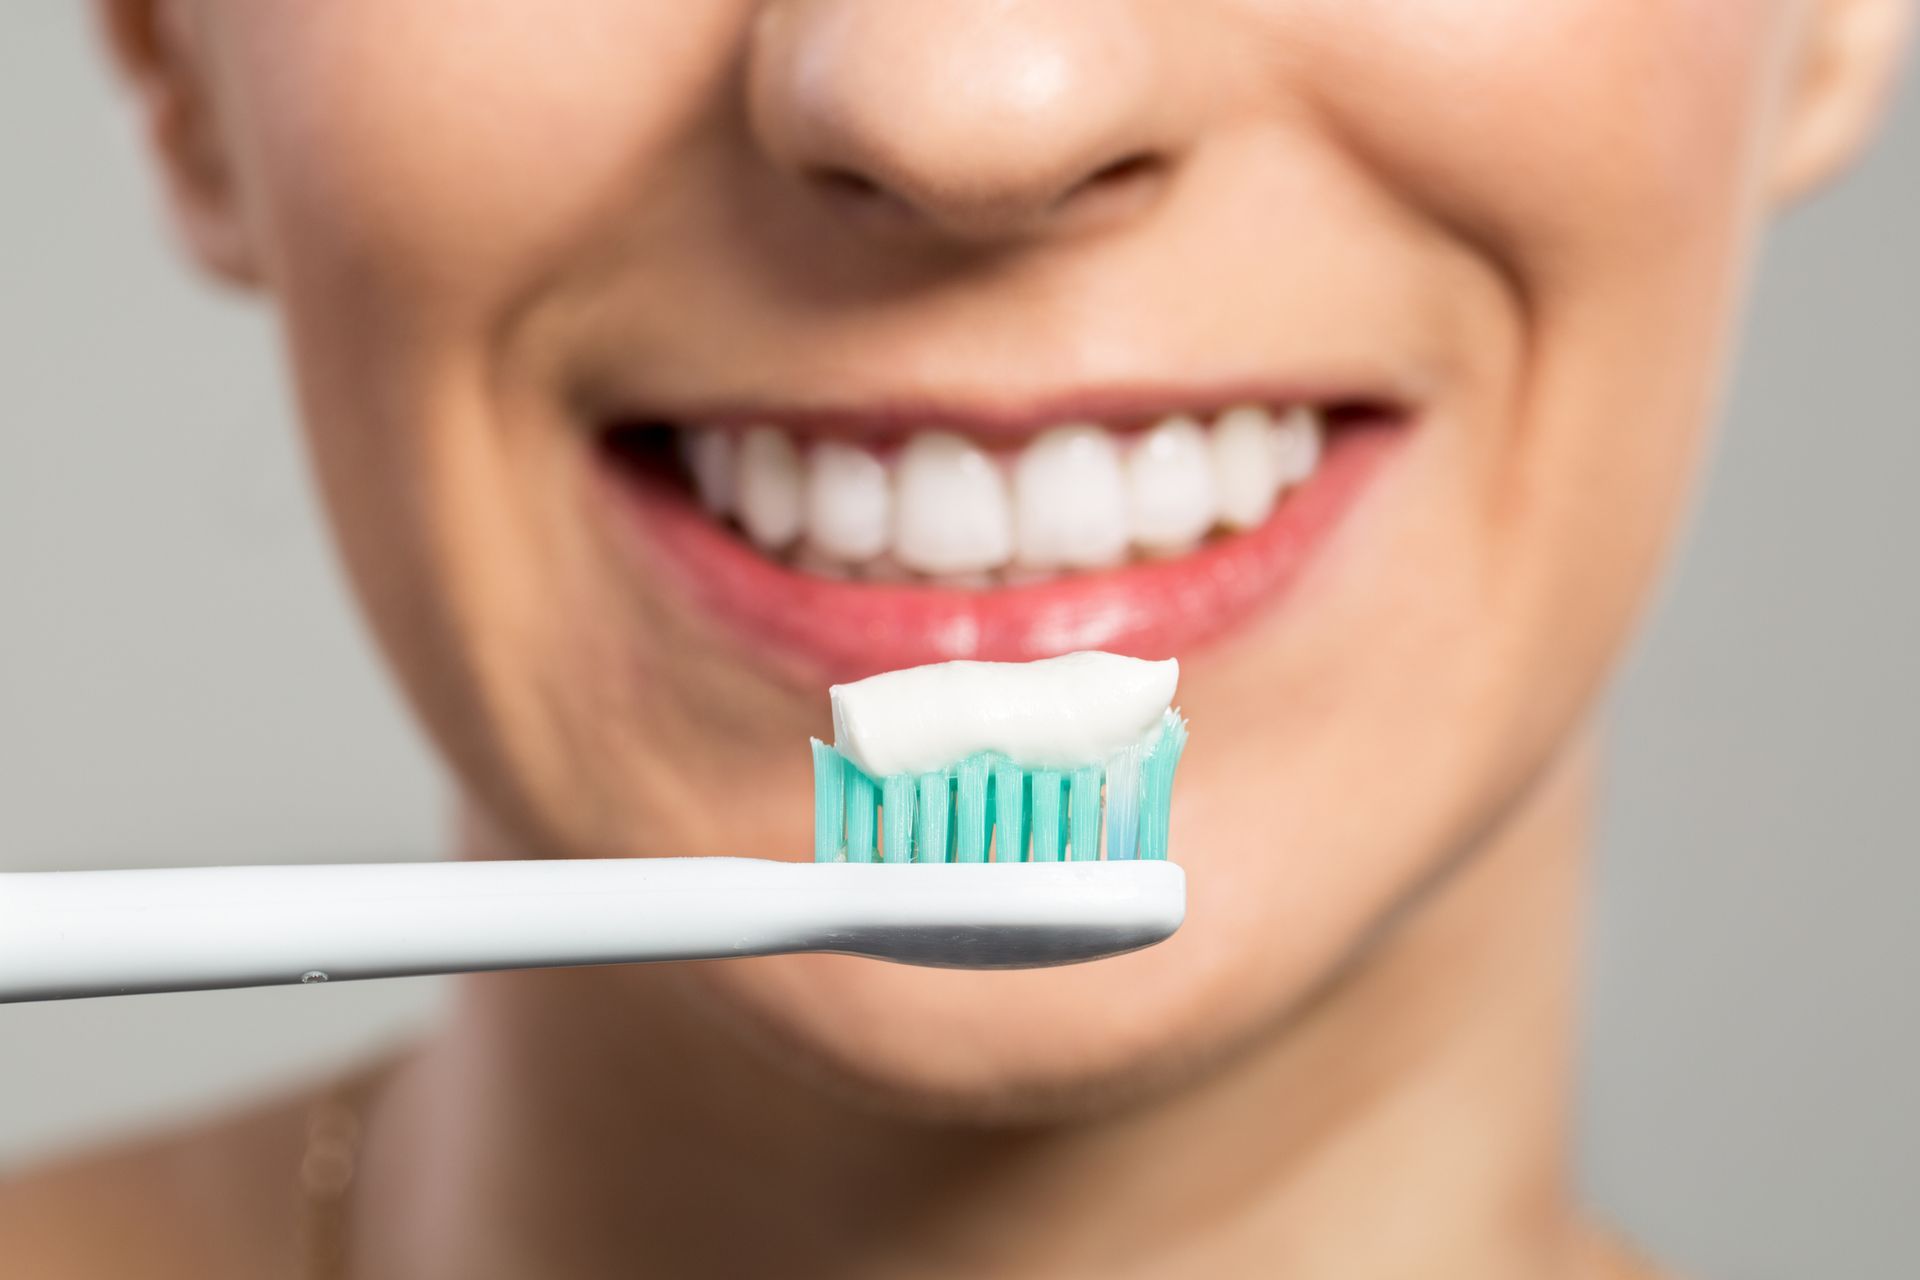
x=91, y=933
x=901, y=873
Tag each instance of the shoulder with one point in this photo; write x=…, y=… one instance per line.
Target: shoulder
x=206, y=1203
x=1614, y=1257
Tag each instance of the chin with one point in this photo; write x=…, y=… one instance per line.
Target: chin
x=1019, y=1048
x=1040, y=1046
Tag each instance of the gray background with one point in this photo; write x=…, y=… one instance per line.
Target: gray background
x=181, y=681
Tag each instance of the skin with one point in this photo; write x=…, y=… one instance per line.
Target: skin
x=1535, y=218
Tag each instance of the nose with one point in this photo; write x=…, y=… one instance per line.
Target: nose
x=978, y=120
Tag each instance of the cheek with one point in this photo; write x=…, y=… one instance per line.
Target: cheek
x=1609, y=160
x=1555, y=132
x=441, y=156
x=409, y=185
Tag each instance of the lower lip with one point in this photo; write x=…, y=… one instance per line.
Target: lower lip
x=844, y=630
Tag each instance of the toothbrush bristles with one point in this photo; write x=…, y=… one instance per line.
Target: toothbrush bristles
x=990, y=807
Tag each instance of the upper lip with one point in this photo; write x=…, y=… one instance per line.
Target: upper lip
x=1010, y=419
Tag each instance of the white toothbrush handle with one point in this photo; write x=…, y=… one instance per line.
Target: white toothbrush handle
x=86, y=933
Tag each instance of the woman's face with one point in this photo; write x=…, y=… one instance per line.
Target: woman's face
x=1492, y=246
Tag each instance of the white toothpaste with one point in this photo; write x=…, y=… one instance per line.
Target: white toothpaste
x=1052, y=714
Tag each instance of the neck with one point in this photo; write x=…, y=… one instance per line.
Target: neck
x=1409, y=1121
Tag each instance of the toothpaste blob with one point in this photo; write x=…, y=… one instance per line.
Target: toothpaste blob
x=1052, y=714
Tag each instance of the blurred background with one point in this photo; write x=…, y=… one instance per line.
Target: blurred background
x=182, y=680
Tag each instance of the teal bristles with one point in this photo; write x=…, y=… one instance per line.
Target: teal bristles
x=987, y=805
x=1123, y=801
x=930, y=824
x=860, y=813
x=1083, y=810
x=1010, y=811
x=972, y=814
x=1043, y=802
x=830, y=770
x=1156, y=788
x=896, y=819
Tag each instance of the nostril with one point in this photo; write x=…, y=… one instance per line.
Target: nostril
x=1123, y=172
x=859, y=195
x=845, y=182
x=1121, y=184
x=1114, y=188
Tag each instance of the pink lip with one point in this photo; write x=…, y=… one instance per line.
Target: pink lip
x=843, y=630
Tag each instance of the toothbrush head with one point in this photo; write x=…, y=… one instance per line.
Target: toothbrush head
x=994, y=861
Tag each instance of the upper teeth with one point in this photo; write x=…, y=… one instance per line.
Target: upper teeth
x=1076, y=496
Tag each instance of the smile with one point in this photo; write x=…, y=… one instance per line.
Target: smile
x=856, y=542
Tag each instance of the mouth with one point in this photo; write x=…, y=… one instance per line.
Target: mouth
x=846, y=543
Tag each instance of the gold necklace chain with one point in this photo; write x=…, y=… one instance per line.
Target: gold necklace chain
x=336, y=1129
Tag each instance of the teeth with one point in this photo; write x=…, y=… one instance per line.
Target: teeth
x=1297, y=440
x=768, y=485
x=814, y=561
x=1170, y=486
x=885, y=569
x=1075, y=497
x=709, y=456
x=849, y=503
x=953, y=512
x=1070, y=500
x=1244, y=475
